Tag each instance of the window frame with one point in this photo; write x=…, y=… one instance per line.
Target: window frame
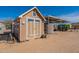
x=33, y=14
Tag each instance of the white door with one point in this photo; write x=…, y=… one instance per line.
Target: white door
x=37, y=28
x=33, y=28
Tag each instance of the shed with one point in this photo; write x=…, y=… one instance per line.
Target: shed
x=29, y=25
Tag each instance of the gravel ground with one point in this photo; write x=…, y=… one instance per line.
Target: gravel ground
x=58, y=42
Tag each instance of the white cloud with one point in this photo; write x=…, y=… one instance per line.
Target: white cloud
x=72, y=17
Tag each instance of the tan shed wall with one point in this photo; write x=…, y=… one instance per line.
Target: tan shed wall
x=16, y=29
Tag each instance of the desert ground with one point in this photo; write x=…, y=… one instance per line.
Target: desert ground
x=57, y=42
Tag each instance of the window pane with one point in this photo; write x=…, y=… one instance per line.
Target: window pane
x=30, y=19
x=34, y=13
x=37, y=20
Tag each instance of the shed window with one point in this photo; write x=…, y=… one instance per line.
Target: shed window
x=30, y=19
x=34, y=13
x=37, y=20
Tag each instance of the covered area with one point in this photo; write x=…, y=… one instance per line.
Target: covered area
x=52, y=24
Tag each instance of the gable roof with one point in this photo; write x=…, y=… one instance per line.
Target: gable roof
x=31, y=10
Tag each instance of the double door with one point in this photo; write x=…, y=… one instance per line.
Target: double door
x=33, y=28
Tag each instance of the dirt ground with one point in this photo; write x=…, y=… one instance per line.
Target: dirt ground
x=56, y=42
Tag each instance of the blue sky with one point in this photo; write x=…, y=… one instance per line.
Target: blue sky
x=70, y=13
